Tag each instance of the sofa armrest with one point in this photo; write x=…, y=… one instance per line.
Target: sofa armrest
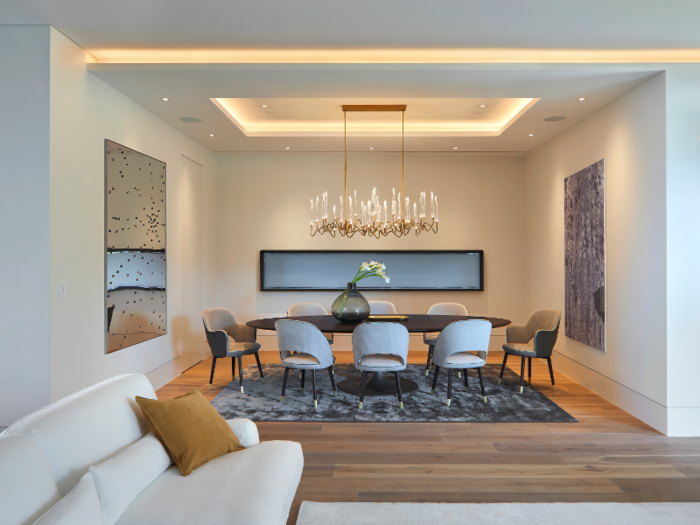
x=246, y=431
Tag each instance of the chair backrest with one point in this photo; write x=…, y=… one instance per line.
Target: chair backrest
x=381, y=307
x=380, y=339
x=300, y=336
x=216, y=321
x=463, y=336
x=448, y=309
x=544, y=327
x=306, y=309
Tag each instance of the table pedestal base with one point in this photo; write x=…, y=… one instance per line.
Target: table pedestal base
x=377, y=384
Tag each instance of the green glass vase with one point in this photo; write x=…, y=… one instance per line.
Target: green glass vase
x=350, y=306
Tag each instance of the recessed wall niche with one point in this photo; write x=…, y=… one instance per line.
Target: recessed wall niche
x=135, y=261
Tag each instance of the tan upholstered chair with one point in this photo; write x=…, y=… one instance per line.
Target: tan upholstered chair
x=429, y=338
x=382, y=308
x=535, y=338
x=460, y=346
x=227, y=338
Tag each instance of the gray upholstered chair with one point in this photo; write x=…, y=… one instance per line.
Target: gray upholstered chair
x=382, y=308
x=380, y=347
x=227, y=338
x=302, y=346
x=460, y=346
x=429, y=338
x=535, y=338
x=309, y=309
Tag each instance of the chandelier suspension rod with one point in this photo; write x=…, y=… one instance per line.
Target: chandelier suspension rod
x=403, y=115
x=345, y=151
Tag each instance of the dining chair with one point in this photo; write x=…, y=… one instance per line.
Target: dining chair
x=302, y=346
x=460, y=346
x=382, y=308
x=380, y=347
x=429, y=338
x=535, y=338
x=227, y=338
x=309, y=309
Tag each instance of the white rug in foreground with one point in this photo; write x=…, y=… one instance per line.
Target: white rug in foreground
x=312, y=513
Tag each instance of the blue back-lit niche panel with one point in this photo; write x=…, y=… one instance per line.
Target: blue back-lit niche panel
x=407, y=270
x=135, y=251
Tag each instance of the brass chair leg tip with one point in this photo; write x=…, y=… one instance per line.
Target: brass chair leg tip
x=263, y=381
x=401, y=405
x=281, y=399
x=302, y=390
x=554, y=387
x=521, y=390
x=360, y=406
x=432, y=392
x=209, y=386
x=484, y=399
x=499, y=381
x=242, y=392
x=335, y=393
x=427, y=371
x=448, y=402
x=459, y=375
x=315, y=404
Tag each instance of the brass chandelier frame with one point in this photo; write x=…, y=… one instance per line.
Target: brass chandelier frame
x=373, y=219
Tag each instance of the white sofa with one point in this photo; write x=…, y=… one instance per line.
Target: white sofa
x=44, y=455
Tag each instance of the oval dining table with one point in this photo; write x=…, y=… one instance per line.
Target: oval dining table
x=377, y=383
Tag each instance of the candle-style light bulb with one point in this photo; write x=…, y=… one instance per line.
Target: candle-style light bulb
x=415, y=212
x=318, y=211
x=437, y=217
x=422, y=204
x=311, y=220
x=398, y=206
x=384, y=212
x=407, y=214
x=432, y=205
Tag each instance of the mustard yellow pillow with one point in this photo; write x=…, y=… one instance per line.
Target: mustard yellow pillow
x=190, y=428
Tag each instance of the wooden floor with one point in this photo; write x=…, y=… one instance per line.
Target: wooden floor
x=608, y=456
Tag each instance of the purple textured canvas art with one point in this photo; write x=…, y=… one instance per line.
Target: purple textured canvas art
x=584, y=213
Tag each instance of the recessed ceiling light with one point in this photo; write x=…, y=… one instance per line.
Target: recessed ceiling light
x=482, y=105
x=165, y=99
x=554, y=119
x=477, y=112
x=211, y=134
x=455, y=148
x=371, y=148
x=264, y=105
x=582, y=99
x=531, y=135
x=287, y=148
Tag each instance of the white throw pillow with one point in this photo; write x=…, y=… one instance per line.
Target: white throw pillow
x=81, y=505
x=121, y=478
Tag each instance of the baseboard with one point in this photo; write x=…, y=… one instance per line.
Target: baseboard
x=650, y=412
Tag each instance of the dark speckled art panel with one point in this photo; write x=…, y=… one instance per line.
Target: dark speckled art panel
x=584, y=213
x=136, y=259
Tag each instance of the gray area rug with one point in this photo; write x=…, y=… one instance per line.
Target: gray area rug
x=261, y=402
x=312, y=513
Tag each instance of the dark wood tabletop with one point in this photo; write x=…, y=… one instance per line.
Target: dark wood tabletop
x=415, y=322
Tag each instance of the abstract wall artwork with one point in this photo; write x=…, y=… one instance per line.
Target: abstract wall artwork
x=584, y=215
x=135, y=251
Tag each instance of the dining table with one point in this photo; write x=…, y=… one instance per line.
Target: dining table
x=378, y=384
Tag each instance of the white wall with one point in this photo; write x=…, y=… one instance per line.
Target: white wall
x=85, y=111
x=24, y=220
x=263, y=204
x=630, y=134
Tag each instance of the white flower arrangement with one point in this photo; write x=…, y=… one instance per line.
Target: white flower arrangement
x=371, y=269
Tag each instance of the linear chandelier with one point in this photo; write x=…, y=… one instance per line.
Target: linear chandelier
x=371, y=218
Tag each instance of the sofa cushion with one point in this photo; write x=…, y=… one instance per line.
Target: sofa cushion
x=190, y=428
x=245, y=430
x=27, y=486
x=80, y=506
x=122, y=477
x=87, y=427
x=255, y=486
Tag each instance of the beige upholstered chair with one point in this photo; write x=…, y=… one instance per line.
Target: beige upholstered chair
x=536, y=338
x=382, y=308
x=303, y=346
x=380, y=347
x=309, y=309
x=227, y=338
x=460, y=346
x=429, y=338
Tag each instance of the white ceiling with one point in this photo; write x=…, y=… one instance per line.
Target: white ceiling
x=191, y=86
x=324, y=24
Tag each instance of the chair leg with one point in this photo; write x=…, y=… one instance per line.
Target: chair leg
x=551, y=373
x=362, y=389
x=430, y=356
x=233, y=368
x=503, y=367
x=449, y=385
x=529, y=369
x=313, y=386
x=481, y=382
x=211, y=377
x=303, y=378
x=284, y=384
x=330, y=374
x=466, y=380
x=435, y=376
x=240, y=371
x=522, y=373
x=262, y=377
x=398, y=389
